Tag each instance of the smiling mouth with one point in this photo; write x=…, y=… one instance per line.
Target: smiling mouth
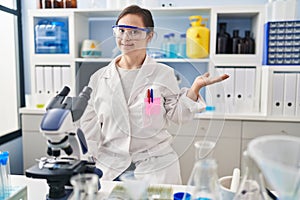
x=127, y=45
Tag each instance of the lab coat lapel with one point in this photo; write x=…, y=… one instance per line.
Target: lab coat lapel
x=143, y=78
x=118, y=102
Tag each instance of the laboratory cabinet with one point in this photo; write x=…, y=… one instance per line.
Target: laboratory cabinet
x=253, y=129
x=95, y=24
x=34, y=142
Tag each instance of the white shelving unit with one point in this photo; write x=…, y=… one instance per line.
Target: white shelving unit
x=96, y=24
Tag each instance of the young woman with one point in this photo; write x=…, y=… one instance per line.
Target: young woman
x=133, y=100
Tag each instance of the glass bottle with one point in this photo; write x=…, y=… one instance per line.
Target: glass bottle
x=71, y=3
x=182, y=46
x=48, y=4
x=249, y=43
x=236, y=40
x=252, y=184
x=223, y=40
x=164, y=45
x=172, y=47
x=58, y=4
x=39, y=4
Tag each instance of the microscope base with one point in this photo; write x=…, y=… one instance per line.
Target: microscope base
x=57, y=178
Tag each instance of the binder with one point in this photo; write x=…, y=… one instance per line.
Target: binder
x=298, y=96
x=239, y=90
x=57, y=82
x=48, y=74
x=39, y=79
x=66, y=76
x=277, y=94
x=289, y=100
x=218, y=92
x=229, y=90
x=250, y=80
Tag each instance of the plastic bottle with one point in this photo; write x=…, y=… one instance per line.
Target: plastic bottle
x=223, y=40
x=236, y=40
x=197, y=39
x=172, y=46
x=164, y=45
x=182, y=46
x=249, y=43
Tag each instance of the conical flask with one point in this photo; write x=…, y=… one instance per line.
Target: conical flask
x=252, y=184
x=203, y=181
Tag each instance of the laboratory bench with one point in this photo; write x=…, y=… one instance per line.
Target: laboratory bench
x=38, y=188
x=231, y=132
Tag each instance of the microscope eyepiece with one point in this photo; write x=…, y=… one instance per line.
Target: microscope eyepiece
x=65, y=91
x=86, y=92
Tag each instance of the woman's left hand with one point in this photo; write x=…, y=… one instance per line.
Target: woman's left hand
x=202, y=81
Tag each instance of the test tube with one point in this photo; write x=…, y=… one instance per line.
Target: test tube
x=4, y=172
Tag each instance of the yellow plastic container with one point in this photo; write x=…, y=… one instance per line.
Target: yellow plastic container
x=197, y=38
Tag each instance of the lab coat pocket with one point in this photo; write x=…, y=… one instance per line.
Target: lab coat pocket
x=151, y=111
x=152, y=108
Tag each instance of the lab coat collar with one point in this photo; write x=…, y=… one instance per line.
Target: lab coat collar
x=141, y=81
x=143, y=78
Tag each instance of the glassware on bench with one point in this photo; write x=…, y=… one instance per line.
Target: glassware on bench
x=203, y=181
x=135, y=186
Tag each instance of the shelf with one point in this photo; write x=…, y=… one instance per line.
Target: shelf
x=236, y=59
x=167, y=60
x=176, y=11
x=245, y=117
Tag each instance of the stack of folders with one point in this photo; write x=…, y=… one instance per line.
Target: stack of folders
x=51, y=79
x=285, y=99
x=235, y=94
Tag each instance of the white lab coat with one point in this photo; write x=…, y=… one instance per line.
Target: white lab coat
x=110, y=122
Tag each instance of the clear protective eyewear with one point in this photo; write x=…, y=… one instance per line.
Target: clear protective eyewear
x=132, y=32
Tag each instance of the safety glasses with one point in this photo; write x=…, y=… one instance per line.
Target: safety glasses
x=132, y=32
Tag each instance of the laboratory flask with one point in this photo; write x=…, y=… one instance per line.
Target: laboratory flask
x=252, y=183
x=85, y=186
x=204, y=180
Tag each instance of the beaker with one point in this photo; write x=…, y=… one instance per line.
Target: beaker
x=85, y=186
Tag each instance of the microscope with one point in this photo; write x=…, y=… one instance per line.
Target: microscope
x=66, y=144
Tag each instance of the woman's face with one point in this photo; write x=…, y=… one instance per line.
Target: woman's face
x=127, y=40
